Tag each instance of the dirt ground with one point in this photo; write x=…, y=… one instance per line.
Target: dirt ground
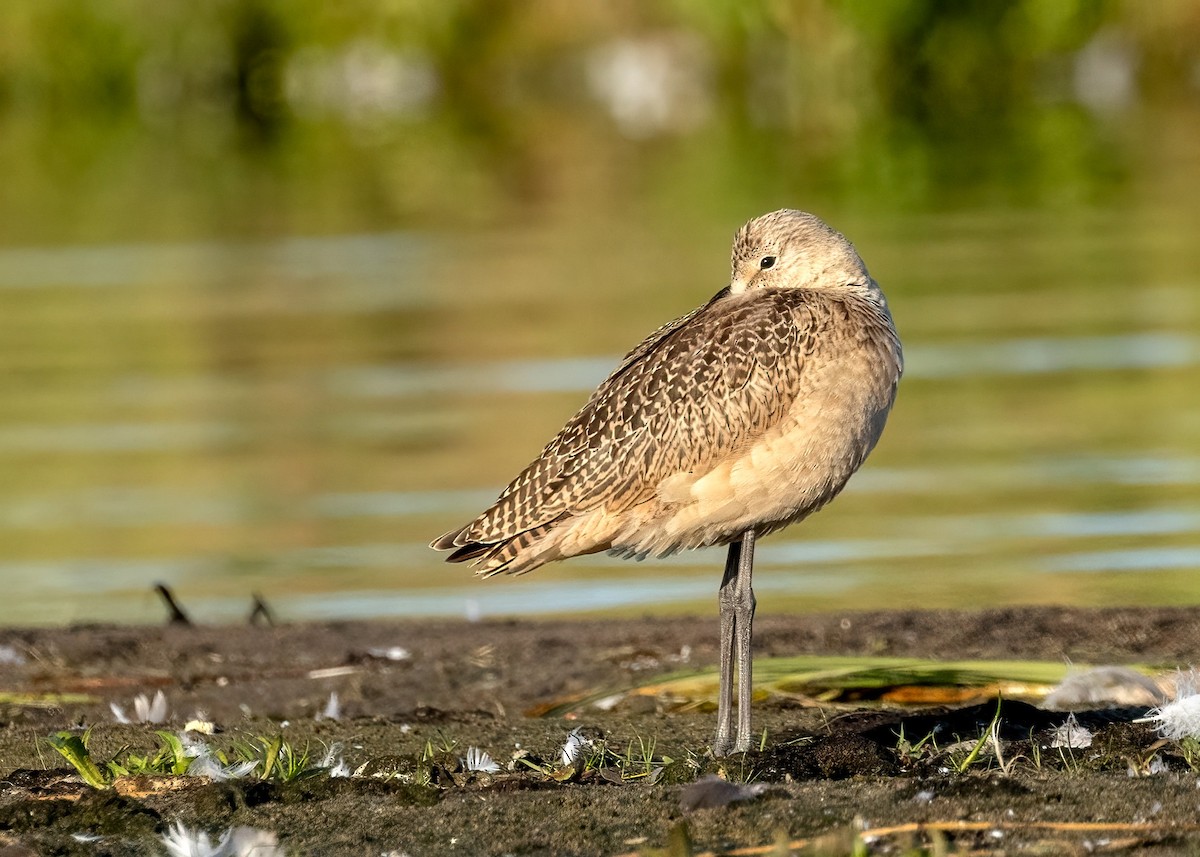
x=830, y=778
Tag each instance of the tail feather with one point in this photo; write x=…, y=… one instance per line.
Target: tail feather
x=449, y=541
x=469, y=552
x=514, y=555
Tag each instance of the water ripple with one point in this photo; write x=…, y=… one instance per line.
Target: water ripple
x=1019, y=356
x=525, y=597
x=1138, y=559
x=369, y=268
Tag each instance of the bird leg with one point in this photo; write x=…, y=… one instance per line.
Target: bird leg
x=736, y=599
x=744, y=612
x=724, y=738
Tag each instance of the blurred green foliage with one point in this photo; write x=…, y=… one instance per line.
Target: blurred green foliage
x=266, y=115
x=921, y=58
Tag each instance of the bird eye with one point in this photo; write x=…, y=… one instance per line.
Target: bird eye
x=766, y=262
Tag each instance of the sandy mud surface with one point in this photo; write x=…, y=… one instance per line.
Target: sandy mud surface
x=413, y=698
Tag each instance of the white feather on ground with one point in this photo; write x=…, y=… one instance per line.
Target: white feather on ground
x=145, y=710
x=1071, y=736
x=1179, y=718
x=181, y=841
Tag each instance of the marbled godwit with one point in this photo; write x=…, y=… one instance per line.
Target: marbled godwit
x=741, y=417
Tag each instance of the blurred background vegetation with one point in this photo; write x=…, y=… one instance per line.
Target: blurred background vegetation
x=155, y=119
x=291, y=287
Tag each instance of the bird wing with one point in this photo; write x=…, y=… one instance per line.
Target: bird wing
x=690, y=394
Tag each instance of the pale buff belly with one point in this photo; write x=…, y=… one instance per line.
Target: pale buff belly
x=791, y=471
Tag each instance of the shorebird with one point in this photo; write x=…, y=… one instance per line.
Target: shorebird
x=743, y=416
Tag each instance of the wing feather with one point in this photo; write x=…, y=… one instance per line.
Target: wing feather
x=690, y=394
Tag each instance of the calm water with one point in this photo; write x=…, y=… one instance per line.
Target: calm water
x=300, y=416
x=285, y=369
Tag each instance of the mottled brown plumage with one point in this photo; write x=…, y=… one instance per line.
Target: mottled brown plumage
x=728, y=423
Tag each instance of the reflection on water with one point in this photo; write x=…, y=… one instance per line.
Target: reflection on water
x=360, y=408
x=1125, y=560
x=282, y=351
x=582, y=374
x=1029, y=356
x=531, y=598
x=362, y=268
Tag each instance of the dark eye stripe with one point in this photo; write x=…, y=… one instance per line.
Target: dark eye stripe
x=766, y=262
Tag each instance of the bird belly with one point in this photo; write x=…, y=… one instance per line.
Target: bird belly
x=785, y=475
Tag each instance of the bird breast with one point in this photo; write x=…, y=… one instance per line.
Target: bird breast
x=799, y=463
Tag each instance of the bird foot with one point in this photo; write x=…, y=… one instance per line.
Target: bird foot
x=726, y=746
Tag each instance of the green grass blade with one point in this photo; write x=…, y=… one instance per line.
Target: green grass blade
x=74, y=750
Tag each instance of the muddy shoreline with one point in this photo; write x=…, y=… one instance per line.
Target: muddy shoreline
x=414, y=696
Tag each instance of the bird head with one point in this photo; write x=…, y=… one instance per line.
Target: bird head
x=790, y=249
